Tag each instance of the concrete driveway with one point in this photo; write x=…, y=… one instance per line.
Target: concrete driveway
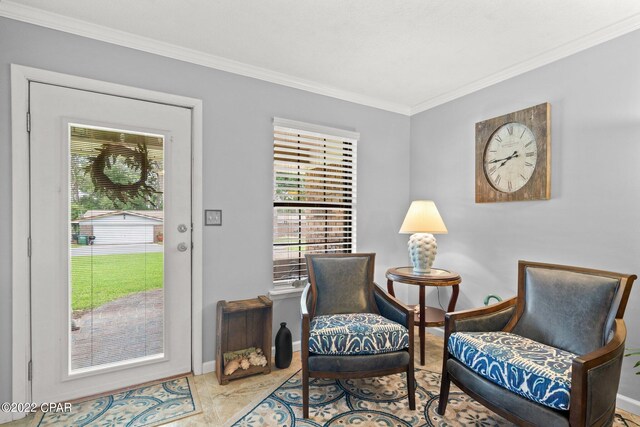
x=116, y=249
x=127, y=328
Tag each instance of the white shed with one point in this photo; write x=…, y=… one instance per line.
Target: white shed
x=121, y=227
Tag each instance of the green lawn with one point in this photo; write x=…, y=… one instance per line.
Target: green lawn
x=103, y=278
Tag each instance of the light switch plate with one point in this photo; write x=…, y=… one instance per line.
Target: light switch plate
x=213, y=217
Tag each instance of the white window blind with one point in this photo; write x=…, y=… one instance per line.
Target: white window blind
x=314, y=195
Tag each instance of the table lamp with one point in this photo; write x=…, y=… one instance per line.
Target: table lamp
x=422, y=221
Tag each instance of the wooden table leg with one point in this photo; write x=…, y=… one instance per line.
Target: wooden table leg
x=390, y=287
x=454, y=298
x=422, y=323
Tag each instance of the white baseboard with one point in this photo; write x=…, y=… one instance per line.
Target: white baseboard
x=210, y=366
x=628, y=404
x=5, y=417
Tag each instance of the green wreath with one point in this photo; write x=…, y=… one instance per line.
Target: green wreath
x=136, y=159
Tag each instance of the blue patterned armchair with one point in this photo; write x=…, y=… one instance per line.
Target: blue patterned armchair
x=551, y=356
x=350, y=327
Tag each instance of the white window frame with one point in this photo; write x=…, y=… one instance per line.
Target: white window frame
x=295, y=286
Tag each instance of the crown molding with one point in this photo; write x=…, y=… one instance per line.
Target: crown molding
x=618, y=29
x=55, y=21
x=31, y=15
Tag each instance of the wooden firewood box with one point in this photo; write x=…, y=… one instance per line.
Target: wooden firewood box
x=240, y=325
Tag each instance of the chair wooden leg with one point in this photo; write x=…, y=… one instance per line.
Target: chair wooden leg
x=305, y=394
x=411, y=386
x=445, y=384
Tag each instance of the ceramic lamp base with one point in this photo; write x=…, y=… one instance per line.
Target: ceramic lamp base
x=422, y=251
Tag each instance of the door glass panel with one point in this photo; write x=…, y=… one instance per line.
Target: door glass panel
x=116, y=276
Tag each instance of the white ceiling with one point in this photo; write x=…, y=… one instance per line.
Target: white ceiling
x=400, y=55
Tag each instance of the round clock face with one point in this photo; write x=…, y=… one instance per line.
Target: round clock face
x=510, y=157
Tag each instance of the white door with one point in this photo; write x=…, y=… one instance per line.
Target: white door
x=102, y=317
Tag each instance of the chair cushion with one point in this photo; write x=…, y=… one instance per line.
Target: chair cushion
x=506, y=400
x=359, y=333
x=536, y=371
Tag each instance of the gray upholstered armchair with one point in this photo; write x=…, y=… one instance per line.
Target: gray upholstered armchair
x=350, y=327
x=550, y=356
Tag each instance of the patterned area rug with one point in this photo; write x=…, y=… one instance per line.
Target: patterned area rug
x=369, y=402
x=149, y=405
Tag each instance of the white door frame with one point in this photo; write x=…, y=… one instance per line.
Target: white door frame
x=21, y=315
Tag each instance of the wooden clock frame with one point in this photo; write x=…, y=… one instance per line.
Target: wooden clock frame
x=538, y=119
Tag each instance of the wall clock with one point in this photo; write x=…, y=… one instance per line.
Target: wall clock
x=513, y=156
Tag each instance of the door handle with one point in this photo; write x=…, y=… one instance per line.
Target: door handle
x=182, y=247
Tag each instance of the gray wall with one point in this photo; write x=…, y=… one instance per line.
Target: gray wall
x=238, y=151
x=592, y=217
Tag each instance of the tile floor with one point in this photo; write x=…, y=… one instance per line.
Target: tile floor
x=221, y=403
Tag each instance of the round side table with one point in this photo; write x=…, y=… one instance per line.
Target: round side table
x=427, y=316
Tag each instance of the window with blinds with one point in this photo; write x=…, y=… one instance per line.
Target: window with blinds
x=314, y=195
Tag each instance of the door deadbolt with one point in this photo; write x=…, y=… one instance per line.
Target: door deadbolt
x=182, y=247
x=182, y=228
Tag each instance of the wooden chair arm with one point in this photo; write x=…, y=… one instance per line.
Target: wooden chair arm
x=393, y=309
x=478, y=319
x=392, y=300
x=606, y=353
x=595, y=377
x=306, y=322
x=476, y=312
x=304, y=308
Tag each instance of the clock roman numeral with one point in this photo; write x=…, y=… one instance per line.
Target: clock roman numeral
x=523, y=131
x=528, y=143
x=528, y=164
x=510, y=129
x=509, y=185
x=497, y=137
x=498, y=178
x=530, y=153
x=523, y=178
x=493, y=169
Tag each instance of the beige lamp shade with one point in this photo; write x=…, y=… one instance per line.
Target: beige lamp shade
x=423, y=217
